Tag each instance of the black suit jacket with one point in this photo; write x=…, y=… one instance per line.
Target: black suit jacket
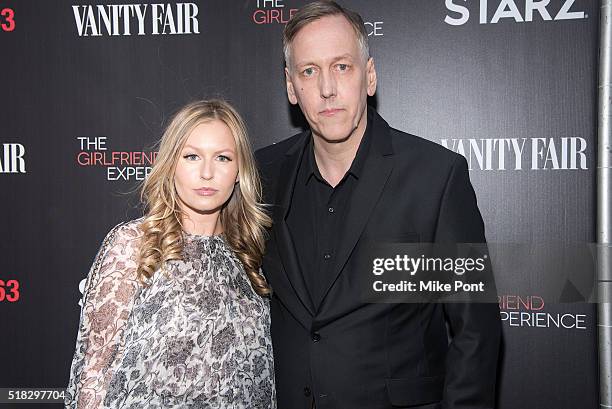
x=345, y=353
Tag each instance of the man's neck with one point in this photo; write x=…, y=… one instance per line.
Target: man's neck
x=335, y=159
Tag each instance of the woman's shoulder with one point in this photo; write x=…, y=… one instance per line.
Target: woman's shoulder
x=116, y=260
x=126, y=233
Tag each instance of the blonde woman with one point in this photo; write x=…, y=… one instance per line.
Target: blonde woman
x=174, y=312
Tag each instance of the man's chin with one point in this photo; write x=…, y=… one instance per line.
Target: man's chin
x=335, y=135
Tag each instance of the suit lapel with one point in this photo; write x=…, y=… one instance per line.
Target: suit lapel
x=376, y=171
x=284, y=193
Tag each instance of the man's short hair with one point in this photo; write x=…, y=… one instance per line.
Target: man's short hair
x=319, y=9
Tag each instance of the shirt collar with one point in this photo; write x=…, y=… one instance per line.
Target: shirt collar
x=356, y=168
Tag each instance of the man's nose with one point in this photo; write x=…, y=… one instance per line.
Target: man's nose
x=327, y=85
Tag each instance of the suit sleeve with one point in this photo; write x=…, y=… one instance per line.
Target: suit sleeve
x=471, y=363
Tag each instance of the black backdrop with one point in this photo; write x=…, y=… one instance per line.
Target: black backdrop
x=476, y=80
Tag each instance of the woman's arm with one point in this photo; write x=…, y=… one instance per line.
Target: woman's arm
x=107, y=302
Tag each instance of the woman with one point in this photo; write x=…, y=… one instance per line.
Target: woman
x=173, y=312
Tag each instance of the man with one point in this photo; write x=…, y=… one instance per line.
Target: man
x=351, y=179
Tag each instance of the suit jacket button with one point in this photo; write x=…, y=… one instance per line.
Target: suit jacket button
x=306, y=391
x=316, y=337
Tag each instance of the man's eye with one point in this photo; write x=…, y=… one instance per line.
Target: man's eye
x=308, y=72
x=343, y=67
x=224, y=158
x=191, y=156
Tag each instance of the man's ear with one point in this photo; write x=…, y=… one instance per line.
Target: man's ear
x=290, y=90
x=371, y=73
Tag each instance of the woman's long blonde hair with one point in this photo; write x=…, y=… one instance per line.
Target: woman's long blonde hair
x=243, y=218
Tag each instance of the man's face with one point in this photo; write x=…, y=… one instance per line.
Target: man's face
x=329, y=78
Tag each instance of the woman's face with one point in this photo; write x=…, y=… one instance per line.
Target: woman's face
x=207, y=169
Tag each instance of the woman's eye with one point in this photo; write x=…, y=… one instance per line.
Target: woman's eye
x=191, y=156
x=224, y=158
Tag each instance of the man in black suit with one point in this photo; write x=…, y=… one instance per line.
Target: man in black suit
x=351, y=179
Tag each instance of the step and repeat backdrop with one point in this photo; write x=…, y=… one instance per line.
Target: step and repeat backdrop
x=87, y=87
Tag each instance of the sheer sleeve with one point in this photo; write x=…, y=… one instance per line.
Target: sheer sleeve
x=107, y=302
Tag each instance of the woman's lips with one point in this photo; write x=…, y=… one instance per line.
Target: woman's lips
x=205, y=191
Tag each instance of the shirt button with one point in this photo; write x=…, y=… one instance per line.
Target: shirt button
x=306, y=391
x=327, y=256
x=316, y=337
x=331, y=209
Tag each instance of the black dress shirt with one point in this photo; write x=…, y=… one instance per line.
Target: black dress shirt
x=317, y=213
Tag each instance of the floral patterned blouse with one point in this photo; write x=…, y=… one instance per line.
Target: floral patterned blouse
x=197, y=337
